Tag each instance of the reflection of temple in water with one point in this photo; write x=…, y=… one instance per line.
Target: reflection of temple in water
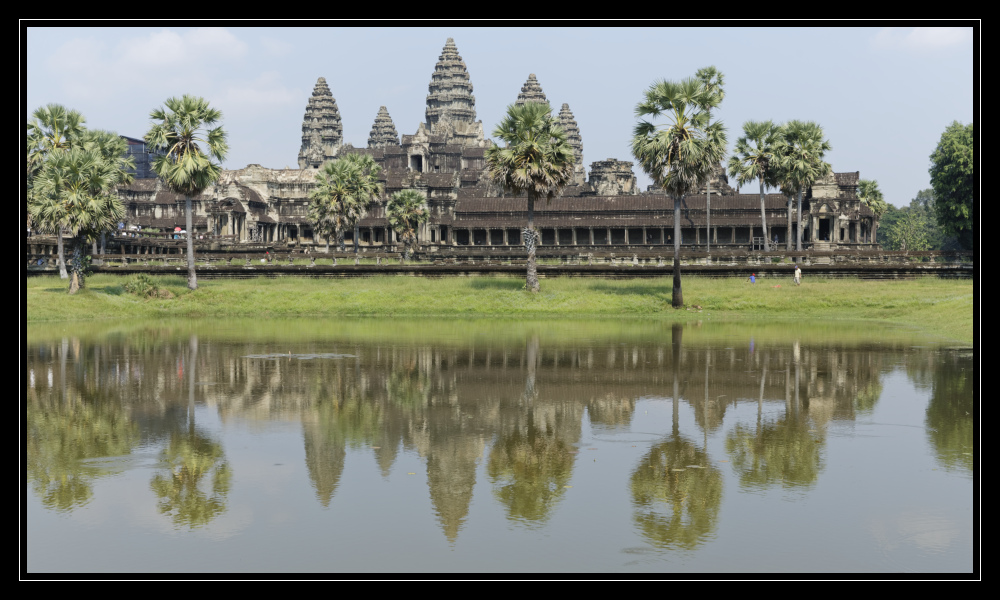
x=518, y=407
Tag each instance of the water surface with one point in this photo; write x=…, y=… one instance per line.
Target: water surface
x=480, y=446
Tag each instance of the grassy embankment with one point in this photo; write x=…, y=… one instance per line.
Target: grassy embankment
x=942, y=308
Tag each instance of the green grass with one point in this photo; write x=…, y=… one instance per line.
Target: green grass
x=940, y=307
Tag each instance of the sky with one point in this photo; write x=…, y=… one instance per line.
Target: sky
x=883, y=95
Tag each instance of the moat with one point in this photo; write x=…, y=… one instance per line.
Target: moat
x=399, y=446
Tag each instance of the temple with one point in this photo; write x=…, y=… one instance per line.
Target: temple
x=445, y=160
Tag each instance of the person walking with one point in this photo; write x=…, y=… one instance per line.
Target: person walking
x=798, y=275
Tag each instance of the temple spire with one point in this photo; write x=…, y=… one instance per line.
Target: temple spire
x=383, y=131
x=322, y=131
x=531, y=91
x=568, y=124
x=451, y=107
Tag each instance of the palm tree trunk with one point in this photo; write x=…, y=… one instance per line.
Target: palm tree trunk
x=357, y=232
x=75, y=278
x=192, y=276
x=530, y=240
x=798, y=222
x=788, y=230
x=61, y=254
x=763, y=218
x=677, y=296
x=708, y=218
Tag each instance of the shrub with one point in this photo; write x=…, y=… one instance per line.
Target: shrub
x=141, y=285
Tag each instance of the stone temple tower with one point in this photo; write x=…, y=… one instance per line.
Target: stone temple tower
x=383, y=131
x=322, y=131
x=451, y=107
x=568, y=124
x=531, y=91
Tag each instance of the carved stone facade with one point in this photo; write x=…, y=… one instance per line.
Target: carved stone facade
x=445, y=161
x=612, y=178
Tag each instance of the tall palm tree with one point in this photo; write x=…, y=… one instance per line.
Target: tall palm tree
x=679, y=154
x=364, y=189
x=52, y=129
x=184, y=130
x=331, y=201
x=406, y=210
x=801, y=149
x=713, y=81
x=75, y=190
x=536, y=159
x=754, y=158
x=114, y=149
x=871, y=196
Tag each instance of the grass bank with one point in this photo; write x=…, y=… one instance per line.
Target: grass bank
x=942, y=308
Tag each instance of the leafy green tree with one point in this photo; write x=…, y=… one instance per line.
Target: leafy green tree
x=184, y=131
x=536, y=159
x=800, y=151
x=871, y=196
x=908, y=232
x=52, y=129
x=953, y=177
x=755, y=157
x=75, y=191
x=679, y=154
x=713, y=81
x=406, y=210
x=914, y=227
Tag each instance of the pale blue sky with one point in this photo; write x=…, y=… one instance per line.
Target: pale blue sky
x=882, y=95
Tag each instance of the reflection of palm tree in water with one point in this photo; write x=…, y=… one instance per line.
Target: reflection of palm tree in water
x=531, y=358
x=781, y=452
x=676, y=490
x=531, y=464
x=191, y=459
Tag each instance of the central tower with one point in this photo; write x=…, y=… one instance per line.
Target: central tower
x=451, y=107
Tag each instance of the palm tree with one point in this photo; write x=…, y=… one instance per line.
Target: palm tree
x=871, y=196
x=363, y=187
x=754, y=158
x=114, y=149
x=184, y=131
x=52, y=129
x=329, y=200
x=406, y=210
x=713, y=81
x=678, y=155
x=344, y=189
x=536, y=159
x=75, y=190
x=801, y=149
